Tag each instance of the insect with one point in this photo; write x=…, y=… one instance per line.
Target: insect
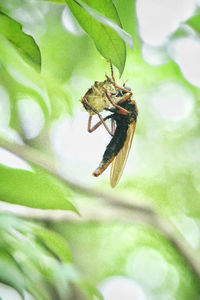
x=96, y=97
x=124, y=115
x=95, y=100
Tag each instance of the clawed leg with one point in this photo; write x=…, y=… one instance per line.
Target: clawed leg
x=119, y=87
x=125, y=98
x=87, y=105
x=122, y=110
x=99, y=124
x=112, y=74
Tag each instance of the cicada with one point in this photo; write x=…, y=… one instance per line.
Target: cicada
x=95, y=100
x=124, y=112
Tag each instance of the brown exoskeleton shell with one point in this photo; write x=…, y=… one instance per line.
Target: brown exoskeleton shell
x=96, y=96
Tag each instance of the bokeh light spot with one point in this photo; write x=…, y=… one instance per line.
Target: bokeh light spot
x=186, y=52
x=11, y=160
x=31, y=117
x=173, y=101
x=158, y=19
x=189, y=229
x=154, y=56
x=121, y=288
x=4, y=108
x=70, y=139
x=147, y=266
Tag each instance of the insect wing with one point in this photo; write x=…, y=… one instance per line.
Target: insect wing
x=119, y=162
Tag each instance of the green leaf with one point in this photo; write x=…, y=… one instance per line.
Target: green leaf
x=54, y=242
x=9, y=6
x=102, y=19
x=21, y=81
x=194, y=22
x=91, y=291
x=10, y=273
x=95, y=20
x=128, y=17
x=56, y=1
x=8, y=222
x=181, y=32
x=40, y=293
x=33, y=189
x=23, y=42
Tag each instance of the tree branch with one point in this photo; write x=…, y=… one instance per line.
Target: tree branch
x=117, y=209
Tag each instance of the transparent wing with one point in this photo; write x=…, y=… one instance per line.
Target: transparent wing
x=119, y=162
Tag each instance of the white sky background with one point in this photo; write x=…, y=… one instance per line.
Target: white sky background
x=79, y=150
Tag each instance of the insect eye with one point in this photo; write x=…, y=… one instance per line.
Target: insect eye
x=119, y=93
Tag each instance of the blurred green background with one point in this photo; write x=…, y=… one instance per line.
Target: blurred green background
x=125, y=258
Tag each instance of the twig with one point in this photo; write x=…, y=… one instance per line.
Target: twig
x=119, y=210
x=45, y=162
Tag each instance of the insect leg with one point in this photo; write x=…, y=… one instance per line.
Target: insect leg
x=121, y=111
x=120, y=88
x=99, y=115
x=114, y=83
x=125, y=98
x=124, y=89
x=112, y=74
x=97, y=125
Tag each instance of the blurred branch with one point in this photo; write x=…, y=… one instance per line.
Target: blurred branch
x=119, y=208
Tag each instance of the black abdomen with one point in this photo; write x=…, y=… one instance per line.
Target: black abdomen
x=117, y=142
x=120, y=135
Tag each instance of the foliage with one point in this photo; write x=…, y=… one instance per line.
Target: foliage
x=32, y=256
x=33, y=189
x=24, y=43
